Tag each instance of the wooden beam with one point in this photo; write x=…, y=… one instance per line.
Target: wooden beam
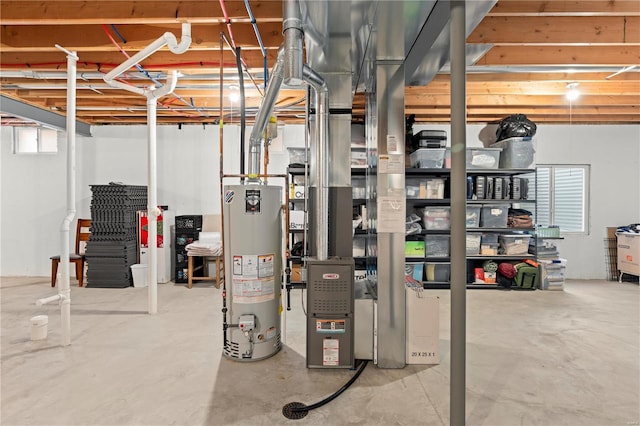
x=605, y=87
x=574, y=30
x=521, y=100
x=27, y=12
x=531, y=110
x=92, y=38
x=561, y=55
x=159, y=61
x=526, y=77
x=566, y=8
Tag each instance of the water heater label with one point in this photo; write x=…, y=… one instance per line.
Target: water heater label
x=253, y=290
x=245, y=266
x=265, y=266
x=252, y=201
x=330, y=352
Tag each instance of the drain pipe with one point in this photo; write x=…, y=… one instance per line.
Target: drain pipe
x=321, y=224
x=152, y=94
x=64, y=286
x=264, y=112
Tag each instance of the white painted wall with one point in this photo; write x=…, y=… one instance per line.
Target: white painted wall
x=33, y=186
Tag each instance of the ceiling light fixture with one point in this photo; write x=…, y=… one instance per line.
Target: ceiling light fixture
x=234, y=93
x=572, y=92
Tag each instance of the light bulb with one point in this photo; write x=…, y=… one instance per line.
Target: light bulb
x=572, y=93
x=234, y=93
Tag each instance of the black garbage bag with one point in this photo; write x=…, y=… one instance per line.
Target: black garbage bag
x=517, y=125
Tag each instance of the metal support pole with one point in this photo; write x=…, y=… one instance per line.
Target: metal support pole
x=458, y=215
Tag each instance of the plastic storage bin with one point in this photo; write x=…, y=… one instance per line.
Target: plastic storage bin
x=513, y=244
x=414, y=270
x=436, y=245
x=494, y=216
x=139, y=273
x=517, y=153
x=473, y=216
x=427, y=158
x=489, y=238
x=414, y=248
x=425, y=188
x=436, y=218
x=483, y=158
x=473, y=243
x=297, y=155
x=438, y=272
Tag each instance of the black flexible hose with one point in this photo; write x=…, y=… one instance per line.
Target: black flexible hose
x=297, y=410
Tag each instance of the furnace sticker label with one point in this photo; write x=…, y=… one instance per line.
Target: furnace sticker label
x=330, y=352
x=330, y=326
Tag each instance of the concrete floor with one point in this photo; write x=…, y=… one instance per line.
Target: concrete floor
x=533, y=358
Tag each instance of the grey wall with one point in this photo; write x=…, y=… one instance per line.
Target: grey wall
x=34, y=186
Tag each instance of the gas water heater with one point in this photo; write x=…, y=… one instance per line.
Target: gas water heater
x=253, y=247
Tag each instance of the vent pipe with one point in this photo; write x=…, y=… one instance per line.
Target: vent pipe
x=321, y=207
x=293, y=35
x=264, y=112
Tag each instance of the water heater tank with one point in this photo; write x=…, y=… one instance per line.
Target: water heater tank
x=253, y=259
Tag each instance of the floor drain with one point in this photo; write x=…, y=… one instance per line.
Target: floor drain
x=290, y=412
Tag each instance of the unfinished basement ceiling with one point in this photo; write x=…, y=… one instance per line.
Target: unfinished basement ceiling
x=528, y=52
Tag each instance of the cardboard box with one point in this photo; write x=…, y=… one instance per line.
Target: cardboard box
x=297, y=192
x=423, y=327
x=296, y=220
x=629, y=253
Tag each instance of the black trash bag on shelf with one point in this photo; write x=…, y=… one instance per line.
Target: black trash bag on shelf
x=517, y=125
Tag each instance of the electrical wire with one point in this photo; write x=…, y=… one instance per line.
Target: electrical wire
x=244, y=65
x=260, y=43
x=298, y=410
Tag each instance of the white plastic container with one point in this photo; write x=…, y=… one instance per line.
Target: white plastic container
x=436, y=218
x=139, y=273
x=517, y=153
x=514, y=244
x=39, y=327
x=427, y=158
x=483, y=158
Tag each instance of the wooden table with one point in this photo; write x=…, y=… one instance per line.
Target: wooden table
x=205, y=267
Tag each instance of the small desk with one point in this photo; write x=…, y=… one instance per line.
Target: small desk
x=205, y=268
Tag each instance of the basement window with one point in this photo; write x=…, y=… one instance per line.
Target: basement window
x=35, y=140
x=563, y=197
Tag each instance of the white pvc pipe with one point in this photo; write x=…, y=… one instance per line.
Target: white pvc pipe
x=64, y=286
x=50, y=299
x=152, y=206
x=167, y=39
x=152, y=94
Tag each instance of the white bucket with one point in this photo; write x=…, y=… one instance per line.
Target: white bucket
x=39, y=327
x=139, y=272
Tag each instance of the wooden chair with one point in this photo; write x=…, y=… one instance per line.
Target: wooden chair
x=82, y=235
